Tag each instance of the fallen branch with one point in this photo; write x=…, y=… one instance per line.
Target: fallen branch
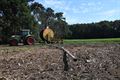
x=65, y=52
x=68, y=52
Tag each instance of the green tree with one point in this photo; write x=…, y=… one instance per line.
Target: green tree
x=47, y=17
x=38, y=12
x=15, y=15
x=103, y=29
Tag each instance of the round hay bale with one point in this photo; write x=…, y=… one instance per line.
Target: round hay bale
x=48, y=34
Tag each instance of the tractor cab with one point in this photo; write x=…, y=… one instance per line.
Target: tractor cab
x=25, y=32
x=23, y=36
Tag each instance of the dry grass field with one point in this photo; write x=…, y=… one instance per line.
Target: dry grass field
x=95, y=62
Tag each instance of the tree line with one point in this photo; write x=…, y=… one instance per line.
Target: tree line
x=25, y=14
x=103, y=29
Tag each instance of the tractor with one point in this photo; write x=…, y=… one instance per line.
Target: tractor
x=24, y=36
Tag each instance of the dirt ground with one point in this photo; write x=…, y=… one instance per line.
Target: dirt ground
x=94, y=62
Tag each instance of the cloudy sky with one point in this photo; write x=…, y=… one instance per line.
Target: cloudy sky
x=85, y=11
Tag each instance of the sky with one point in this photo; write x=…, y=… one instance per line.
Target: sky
x=85, y=11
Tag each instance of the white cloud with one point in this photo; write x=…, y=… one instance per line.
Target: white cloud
x=67, y=6
x=110, y=12
x=74, y=10
x=108, y=15
x=87, y=7
x=57, y=4
x=53, y=2
x=71, y=20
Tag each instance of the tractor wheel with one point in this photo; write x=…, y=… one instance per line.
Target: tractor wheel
x=13, y=42
x=29, y=40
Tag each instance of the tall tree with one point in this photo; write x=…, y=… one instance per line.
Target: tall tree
x=49, y=15
x=59, y=16
x=15, y=15
x=38, y=11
